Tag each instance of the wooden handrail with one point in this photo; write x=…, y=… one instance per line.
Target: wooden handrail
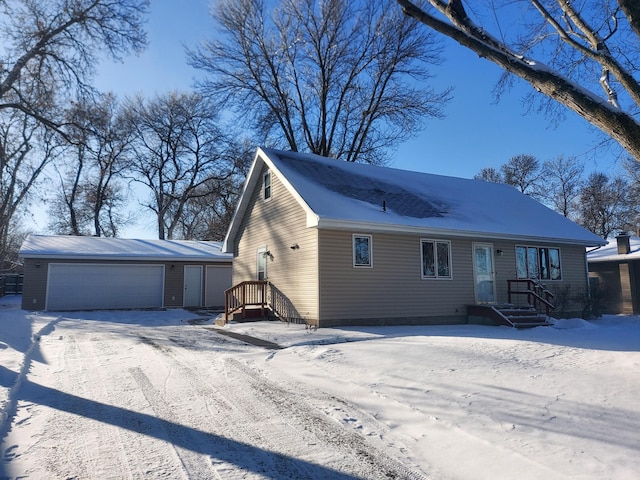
x=248, y=293
x=259, y=293
x=282, y=306
x=535, y=292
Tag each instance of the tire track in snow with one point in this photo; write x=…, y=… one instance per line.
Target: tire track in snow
x=242, y=451
x=292, y=402
x=195, y=465
x=282, y=420
x=81, y=397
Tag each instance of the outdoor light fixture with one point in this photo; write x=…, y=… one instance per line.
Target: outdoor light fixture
x=172, y=266
x=499, y=252
x=38, y=265
x=295, y=246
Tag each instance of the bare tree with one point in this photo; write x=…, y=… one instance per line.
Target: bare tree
x=178, y=149
x=90, y=200
x=68, y=212
x=523, y=172
x=605, y=206
x=207, y=217
x=563, y=179
x=489, y=174
x=335, y=78
x=25, y=149
x=49, y=49
x=582, y=55
x=16, y=233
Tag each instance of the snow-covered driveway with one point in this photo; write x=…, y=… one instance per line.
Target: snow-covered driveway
x=158, y=395
x=130, y=397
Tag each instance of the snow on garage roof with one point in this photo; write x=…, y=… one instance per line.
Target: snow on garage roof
x=610, y=251
x=103, y=248
x=344, y=195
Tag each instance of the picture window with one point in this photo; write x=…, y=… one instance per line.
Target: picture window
x=538, y=263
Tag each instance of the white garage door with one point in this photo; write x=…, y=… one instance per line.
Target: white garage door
x=218, y=279
x=99, y=286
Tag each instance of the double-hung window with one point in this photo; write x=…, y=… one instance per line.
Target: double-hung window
x=436, y=258
x=266, y=185
x=539, y=263
x=362, y=251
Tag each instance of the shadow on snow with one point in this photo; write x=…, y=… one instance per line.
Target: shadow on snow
x=220, y=449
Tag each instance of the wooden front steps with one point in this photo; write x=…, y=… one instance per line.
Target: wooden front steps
x=508, y=315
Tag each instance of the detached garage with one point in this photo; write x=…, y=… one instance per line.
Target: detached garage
x=91, y=273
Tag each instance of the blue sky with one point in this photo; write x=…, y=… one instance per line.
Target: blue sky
x=475, y=133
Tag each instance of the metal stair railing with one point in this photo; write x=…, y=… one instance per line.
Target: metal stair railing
x=537, y=295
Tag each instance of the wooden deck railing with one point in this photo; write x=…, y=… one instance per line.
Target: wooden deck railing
x=537, y=295
x=250, y=293
x=262, y=294
x=282, y=306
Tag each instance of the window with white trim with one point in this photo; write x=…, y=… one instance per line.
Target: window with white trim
x=538, y=263
x=436, y=258
x=362, y=251
x=266, y=185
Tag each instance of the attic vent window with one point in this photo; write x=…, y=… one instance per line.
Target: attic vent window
x=266, y=185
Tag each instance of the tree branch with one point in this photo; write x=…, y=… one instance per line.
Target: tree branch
x=618, y=124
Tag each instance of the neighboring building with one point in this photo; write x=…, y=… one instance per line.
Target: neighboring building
x=347, y=244
x=96, y=273
x=615, y=268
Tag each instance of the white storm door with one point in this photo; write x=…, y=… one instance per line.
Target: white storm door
x=192, y=285
x=485, y=278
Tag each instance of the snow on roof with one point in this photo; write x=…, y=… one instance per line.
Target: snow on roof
x=610, y=251
x=101, y=248
x=350, y=195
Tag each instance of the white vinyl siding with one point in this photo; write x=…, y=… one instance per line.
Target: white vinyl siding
x=279, y=224
x=393, y=288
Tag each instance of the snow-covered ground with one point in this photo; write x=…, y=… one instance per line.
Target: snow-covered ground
x=160, y=394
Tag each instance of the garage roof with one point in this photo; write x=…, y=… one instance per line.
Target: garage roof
x=103, y=248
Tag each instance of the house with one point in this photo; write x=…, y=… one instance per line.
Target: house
x=615, y=270
x=90, y=273
x=334, y=243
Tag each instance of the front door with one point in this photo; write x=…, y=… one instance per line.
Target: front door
x=484, y=273
x=192, y=285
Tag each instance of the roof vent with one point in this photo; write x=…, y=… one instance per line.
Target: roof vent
x=624, y=246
